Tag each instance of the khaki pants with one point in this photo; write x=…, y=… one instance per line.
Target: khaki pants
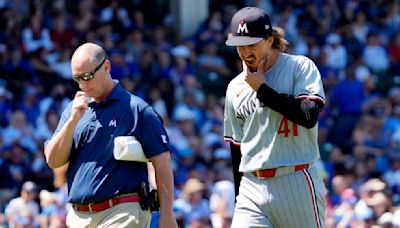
x=121, y=215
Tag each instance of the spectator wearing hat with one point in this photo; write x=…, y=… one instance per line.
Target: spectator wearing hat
x=379, y=203
x=337, y=54
x=363, y=209
x=191, y=207
x=24, y=209
x=181, y=65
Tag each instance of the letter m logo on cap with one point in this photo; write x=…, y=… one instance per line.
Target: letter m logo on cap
x=242, y=27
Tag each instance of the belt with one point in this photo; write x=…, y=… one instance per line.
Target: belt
x=100, y=206
x=268, y=173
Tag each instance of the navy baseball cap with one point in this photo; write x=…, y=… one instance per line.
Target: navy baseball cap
x=248, y=26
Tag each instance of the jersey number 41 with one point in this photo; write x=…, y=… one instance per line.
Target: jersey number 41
x=285, y=130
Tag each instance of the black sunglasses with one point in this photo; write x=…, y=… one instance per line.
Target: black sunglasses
x=88, y=75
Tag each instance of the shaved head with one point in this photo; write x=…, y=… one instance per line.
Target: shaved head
x=91, y=58
x=87, y=53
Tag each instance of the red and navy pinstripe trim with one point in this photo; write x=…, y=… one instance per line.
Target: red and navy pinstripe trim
x=313, y=197
x=315, y=98
x=230, y=139
x=312, y=97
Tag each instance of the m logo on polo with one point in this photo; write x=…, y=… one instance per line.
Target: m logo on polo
x=113, y=123
x=242, y=28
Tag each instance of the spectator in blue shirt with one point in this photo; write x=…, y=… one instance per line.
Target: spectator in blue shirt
x=84, y=138
x=346, y=100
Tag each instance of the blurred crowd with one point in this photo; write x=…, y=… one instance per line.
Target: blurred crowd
x=355, y=45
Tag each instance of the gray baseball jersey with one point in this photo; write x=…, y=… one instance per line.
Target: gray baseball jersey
x=266, y=138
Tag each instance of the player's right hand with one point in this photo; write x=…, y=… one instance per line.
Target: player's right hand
x=254, y=79
x=79, y=105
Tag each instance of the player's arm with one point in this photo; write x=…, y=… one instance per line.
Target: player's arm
x=301, y=111
x=58, y=148
x=233, y=130
x=165, y=188
x=154, y=141
x=236, y=157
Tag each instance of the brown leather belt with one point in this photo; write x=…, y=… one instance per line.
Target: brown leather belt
x=100, y=206
x=268, y=173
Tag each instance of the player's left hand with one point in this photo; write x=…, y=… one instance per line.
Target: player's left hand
x=254, y=79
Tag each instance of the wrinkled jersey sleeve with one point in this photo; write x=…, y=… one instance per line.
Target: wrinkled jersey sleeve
x=308, y=82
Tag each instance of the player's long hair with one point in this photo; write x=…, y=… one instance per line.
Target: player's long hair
x=280, y=42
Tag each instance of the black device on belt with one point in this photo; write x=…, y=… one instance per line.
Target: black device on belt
x=150, y=200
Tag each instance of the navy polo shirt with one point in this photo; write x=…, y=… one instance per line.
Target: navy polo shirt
x=93, y=173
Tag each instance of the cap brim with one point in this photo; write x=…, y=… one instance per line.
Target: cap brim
x=242, y=40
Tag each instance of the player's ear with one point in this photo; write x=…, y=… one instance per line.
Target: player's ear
x=270, y=41
x=107, y=65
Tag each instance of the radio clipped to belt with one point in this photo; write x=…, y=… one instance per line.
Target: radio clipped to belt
x=150, y=200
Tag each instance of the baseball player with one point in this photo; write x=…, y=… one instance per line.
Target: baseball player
x=271, y=113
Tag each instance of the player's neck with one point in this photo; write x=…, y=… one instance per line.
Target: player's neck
x=271, y=59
